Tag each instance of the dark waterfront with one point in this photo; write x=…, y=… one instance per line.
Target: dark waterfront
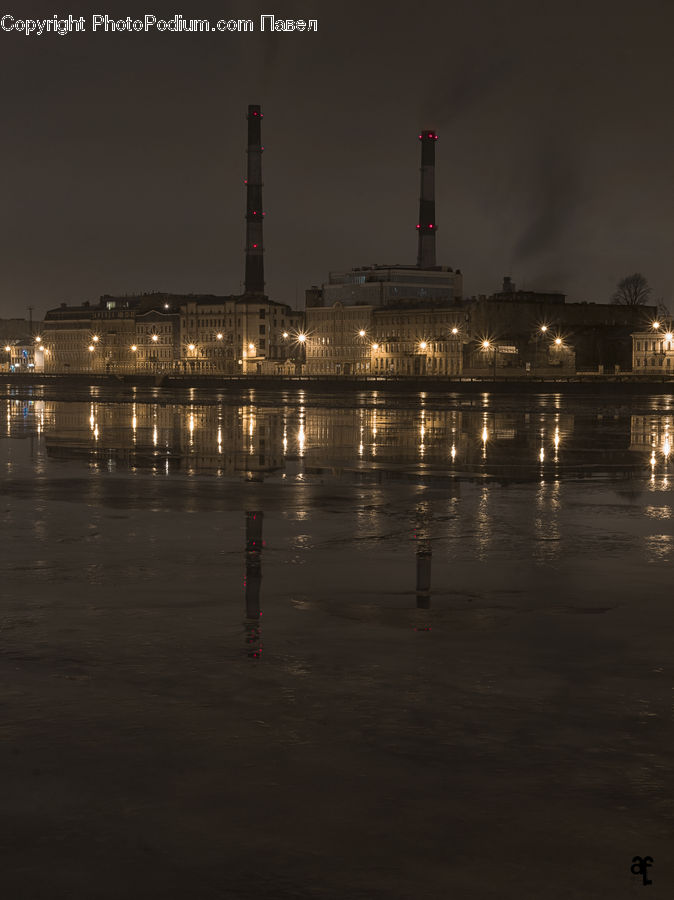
x=293, y=645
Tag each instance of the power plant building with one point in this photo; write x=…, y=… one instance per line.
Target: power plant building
x=391, y=319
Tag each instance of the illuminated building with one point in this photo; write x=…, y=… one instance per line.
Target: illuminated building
x=653, y=350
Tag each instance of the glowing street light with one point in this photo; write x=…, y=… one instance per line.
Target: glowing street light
x=558, y=342
x=669, y=336
x=38, y=339
x=375, y=346
x=41, y=347
x=95, y=339
x=455, y=330
x=155, y=337
x=301, y=338
x=219, y=335
x=362, y=332
x=422, y=345
x=91, y=348
x=486, y=345
x=544, y=328
x=285, y=334
x=656, y=325
x=133, y=348
x=191, y=347
x=8, y=349
x=251, y=347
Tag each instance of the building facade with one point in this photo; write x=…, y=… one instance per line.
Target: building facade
x=404, y=339
x=378, y=286
x=653, y=351
x=172, y=333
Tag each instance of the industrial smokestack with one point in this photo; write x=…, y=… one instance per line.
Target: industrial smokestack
x=254, y=212
x=426, y=225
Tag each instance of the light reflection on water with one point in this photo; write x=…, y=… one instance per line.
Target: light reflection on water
x=499, y=437
x=473, y=453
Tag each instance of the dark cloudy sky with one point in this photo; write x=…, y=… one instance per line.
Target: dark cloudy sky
x=123, y=155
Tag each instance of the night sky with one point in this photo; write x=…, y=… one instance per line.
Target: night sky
x=123, y=156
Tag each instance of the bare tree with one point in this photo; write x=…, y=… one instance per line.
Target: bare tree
x=633, y=290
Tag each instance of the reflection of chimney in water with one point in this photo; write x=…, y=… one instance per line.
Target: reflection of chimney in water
x=253, y=583
x=422, y=535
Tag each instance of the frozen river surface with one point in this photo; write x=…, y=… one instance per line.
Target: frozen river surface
x=289, y=646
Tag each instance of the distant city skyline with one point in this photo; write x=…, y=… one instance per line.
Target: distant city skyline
x=124, y=155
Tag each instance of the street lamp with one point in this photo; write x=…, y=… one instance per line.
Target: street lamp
x=362, y=332
x=486, y=344
x=541, y=330
x=301, y=338
x=155, y=337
